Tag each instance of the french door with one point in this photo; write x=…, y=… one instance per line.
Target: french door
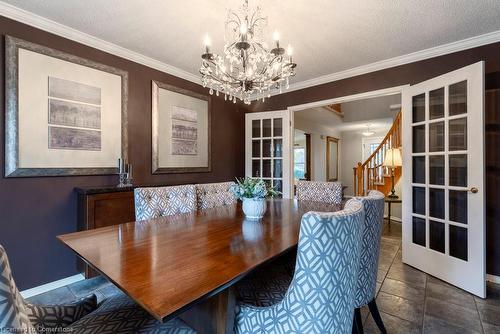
x=267, y=148
x=443, y=178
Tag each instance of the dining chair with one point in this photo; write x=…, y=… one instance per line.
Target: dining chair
x=328, y=192
x=117, y=314
x=211, y=195
x=320, y=298
x=154, y=202
x=373, y=204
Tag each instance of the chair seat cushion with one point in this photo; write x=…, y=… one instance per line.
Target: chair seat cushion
x=122, y=315
x=57, y=316
x=267, y=286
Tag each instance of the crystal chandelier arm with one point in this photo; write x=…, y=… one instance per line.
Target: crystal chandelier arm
x=211, y=62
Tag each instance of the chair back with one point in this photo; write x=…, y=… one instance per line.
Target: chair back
x=157, y=202
x=321, y=295
x=211, y=195
x=328, y=192
x=13, y=315
x=372, y=232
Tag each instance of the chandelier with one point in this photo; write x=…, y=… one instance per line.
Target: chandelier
x=246, y=67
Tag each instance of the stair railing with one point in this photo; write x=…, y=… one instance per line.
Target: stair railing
x=370, y=173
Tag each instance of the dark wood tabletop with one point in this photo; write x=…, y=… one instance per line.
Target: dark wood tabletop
x=171, y=263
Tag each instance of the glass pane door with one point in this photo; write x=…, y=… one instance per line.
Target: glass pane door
x=266, y=153
x=442, y=172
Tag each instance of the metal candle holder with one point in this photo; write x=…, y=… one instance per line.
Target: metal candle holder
x=124, y=174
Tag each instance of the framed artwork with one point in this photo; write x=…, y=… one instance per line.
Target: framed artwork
x=180, y=130
x=65, y=115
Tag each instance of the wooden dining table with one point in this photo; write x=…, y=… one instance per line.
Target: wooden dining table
x=185, y=265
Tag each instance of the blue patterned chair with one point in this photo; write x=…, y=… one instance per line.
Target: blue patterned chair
x=328, y=192
x=164, y=201
x=368, y=269
x=320, y=298
x=115, y=315
x=211, y=195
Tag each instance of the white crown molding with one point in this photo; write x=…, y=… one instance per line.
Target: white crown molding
x=45, y=24
x=51, y=286
x=42, y=23
x=440, y=50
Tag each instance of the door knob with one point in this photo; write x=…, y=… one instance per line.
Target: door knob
x=473, y=190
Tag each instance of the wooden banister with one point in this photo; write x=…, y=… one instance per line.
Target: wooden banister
x=371, y=172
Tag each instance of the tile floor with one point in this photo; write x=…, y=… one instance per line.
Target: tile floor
x=409, y=300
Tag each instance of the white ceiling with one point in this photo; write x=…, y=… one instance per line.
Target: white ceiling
x=375, y=112
x=328, y=36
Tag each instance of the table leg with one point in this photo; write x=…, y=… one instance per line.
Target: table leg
x=213, y=316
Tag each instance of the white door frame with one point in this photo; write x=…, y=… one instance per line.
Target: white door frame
x=342, y=99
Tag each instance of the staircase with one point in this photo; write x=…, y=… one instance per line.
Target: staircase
x=371, y=174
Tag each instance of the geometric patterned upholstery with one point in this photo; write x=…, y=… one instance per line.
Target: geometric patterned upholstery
x=115, y=315
x=320, y=298
x=120, y=314
x=60, y=316
x=211, y=195
x=328, y=192
x=372, y=232
x=13, y=316
x=157, y=202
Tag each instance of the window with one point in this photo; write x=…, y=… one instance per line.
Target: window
x=299, y=162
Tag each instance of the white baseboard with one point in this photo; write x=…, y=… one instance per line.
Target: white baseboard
x=51, y=286
x=493, y=278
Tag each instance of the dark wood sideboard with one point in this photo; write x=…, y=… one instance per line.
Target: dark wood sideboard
x=100, y=207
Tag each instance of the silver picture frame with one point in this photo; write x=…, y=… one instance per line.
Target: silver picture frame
x=12, y=168
x=156, y=168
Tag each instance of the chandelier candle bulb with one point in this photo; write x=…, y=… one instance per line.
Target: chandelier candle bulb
x=276, y=38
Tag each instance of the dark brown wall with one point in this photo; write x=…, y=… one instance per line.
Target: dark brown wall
x=396, y=76
x=34, y=210
x=414, y=73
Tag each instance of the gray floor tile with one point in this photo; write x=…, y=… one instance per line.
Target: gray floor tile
x=492, y=295
x=400, y=307
x=433, y=325
x=454, y=314
x=393, y=325
x=450, y=294
x=391, y=248
x=401, y=289
x=490, y=328
x=389, y=254
x=61, y=295
x=388, y=240
x=489, y=313
x=384, y=264
x=381, y=275
x=407, y=274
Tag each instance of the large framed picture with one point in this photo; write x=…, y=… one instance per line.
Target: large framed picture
x=180, y=130
x=65, y=115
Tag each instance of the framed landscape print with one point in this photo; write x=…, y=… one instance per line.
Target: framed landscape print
x=180, y=130
x=65, y=115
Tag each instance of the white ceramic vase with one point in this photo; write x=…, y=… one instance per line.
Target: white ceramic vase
x=254, y=208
